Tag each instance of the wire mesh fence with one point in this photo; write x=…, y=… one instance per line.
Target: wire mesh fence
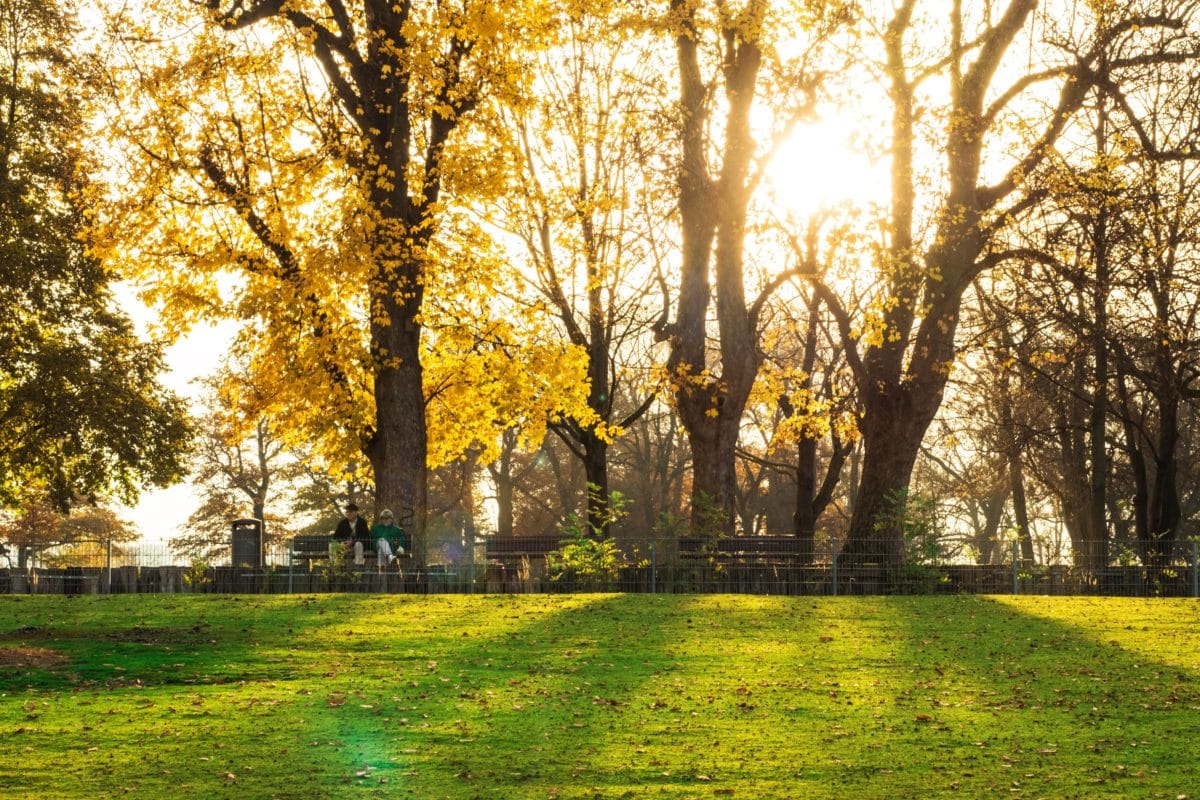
x=775, y=565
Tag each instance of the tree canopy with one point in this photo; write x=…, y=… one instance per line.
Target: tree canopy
x=82, y=411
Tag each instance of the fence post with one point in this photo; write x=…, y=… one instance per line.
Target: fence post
x=1195, y=568
x=1016, y=566
x=291, y=554
x=108, y=568
x=473, y=573
x=833, y=570
x=653, y=568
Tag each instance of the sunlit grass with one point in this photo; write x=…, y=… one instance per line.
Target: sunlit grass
x=598, y=696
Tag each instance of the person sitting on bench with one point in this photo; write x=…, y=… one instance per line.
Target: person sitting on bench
x=352, y=529
x=390, y=538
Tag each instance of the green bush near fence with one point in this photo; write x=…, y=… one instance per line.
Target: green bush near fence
x=597, y=696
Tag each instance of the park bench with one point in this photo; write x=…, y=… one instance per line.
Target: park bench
x=511, y=550
x=306, y=549
x=743, y=549
x=514, y=561
x=310, y=548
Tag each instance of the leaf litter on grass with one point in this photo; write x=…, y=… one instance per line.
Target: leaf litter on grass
x=601, y=696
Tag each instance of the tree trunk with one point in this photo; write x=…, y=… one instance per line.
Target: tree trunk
x=1096, y=549
x=1164, y=512
x=855, y=480
x=712, y=210
x=1156, y=506
x=713, y=477
x=896, y=414
x=1095, y=553
x=804, y=519
x=1016, y=472
x=468, y=478
x=1016, y=481
x=504, y=505
x=397, y=448
x=993, y=511
x=887, y=468
x=1141, y=490
x=891, y=437
x=595, y=467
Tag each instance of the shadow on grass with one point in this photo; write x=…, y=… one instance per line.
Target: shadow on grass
x=542, y=716
x=865, y=698
x=144, y=641
x=289, y=697
x=628, y=695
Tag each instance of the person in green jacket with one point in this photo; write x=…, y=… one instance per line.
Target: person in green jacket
x=390, y=539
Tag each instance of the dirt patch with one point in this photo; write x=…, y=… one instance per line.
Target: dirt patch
x=30, y=658
x=146, y=635
x=139, y=634
x=25, y=634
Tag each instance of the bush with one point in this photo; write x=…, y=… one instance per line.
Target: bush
x=919, y=520
x=585, y=556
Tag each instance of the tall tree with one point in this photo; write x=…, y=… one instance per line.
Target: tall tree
x=312, y=147
x=1156, y=352
x=82, y=411
x=585, y=209
x=712, y=384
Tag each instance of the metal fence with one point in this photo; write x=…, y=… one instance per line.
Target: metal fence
x=529, y=564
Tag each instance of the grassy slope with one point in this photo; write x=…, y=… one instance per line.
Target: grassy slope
x=599, y=696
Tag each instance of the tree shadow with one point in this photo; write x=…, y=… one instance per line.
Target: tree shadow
x=261, y=696
x=630, y=694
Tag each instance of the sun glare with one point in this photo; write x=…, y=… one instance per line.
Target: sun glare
x=817, y=168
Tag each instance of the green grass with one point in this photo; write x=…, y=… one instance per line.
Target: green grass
x=598, y=696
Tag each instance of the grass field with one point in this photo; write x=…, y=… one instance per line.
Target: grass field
x=598, y=696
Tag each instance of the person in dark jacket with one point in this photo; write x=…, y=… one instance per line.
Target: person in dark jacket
x=352, y=528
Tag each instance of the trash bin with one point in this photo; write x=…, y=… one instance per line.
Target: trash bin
x=248, y=543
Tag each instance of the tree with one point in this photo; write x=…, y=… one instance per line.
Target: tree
x=327, y=195
x=652, y=467
x=82, y=411
x=943, y=236
x=35, y=528
x=239, y=465
x=1120, y=234
x=711, y=386
x=1157, y=353
x=585, y=208
x=812, y=412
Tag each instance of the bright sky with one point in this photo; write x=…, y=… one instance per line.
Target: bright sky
x=160, y=513
x=817, y=167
